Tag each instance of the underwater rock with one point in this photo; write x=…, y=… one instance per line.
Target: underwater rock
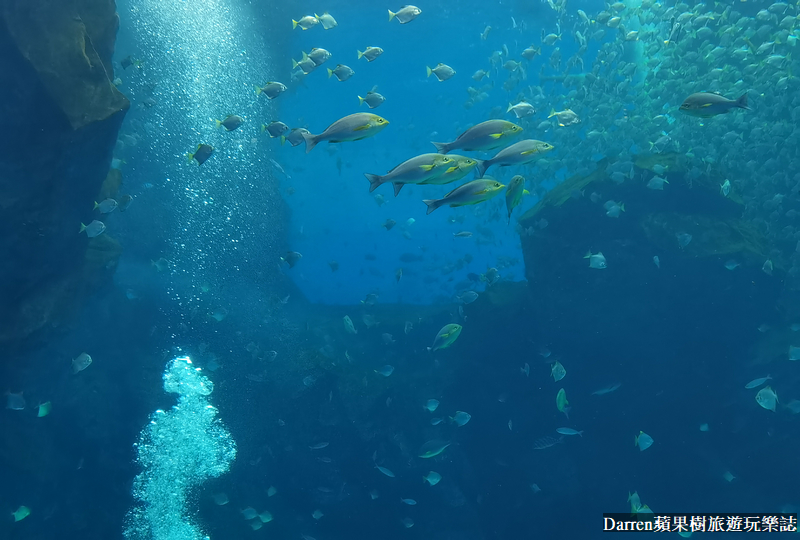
x=58, y=101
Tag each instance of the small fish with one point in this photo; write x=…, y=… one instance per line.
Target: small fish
x=107, y=206
x=484, y=136
x=545, y=442
x=43, y=409
x=467, y=297
x=479, y=75
x=657, y=261
x=432, y=478
x=309, y=21
x=706, y=105
x=767, y=267
x=295, y=136
x=433, y=448
x=643, y=441
x=514, y=193
x=408, y=327
x=326, y=20
x=474, y=192
x=407, y=522
x=526, y=369
x=15, y=402
x=342, y=72
x=561, y=400
x=201, y=154
x=436, y=421
x=370, y=53
x=431, y=404
x=348, y=325
x=291, y=258
x=80, y=363
x=271, y=491
x=353, y=127
x=373, y=99
x=385, y=370
x=385, y=471
x=441, y=71
x=606, y=390
x=510, y=425
x=569, y=431
x=446, y=336
x=410, y=502
x=406, y=14
x=557, y=371
x=249, y=513
x=95, y=228
x=21, y=513
x=275, y=129
x=309, y=380
x=230, y=123
x=657, y=183
x=124, y=202
x=460, y=418
x=725, y=188
x=767, y=398
x=614, y=209
x=521, y=109
x=317, y=514
x=272, y=89
x=319, y=446
x=596, y=260
x=565, y=118
x=755, y=383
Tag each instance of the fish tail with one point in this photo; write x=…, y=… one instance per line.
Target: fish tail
x=283, y=140
x=742, y=102
x=397, y=187
x=429, y=71
x=480, y=168
x=330, y=72
x=311, y=141
x=433, y=204
x=294, y=63
x=510, y=106
x=294, y=24
x=96, y=206
x=263, y=128
x=190, y=157
x=218, y=122
x=441, y=147
x=83, y=228
x=375, y=180
x=258, y=90
x=391, y=14
x=360, y=54
x=360, y=100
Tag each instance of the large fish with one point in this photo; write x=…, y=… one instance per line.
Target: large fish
x=412, y=171
x=517, y=154
x=706, y=105
x=484, y=136
x=350, y=128
x=474, y=192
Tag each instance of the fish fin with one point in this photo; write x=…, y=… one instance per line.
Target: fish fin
x=622, y=207
x=441, y=147
x=294, y=24
x=391, y=14
x=294, y=62
x=190, y=157
x=83, y=228
x=218, y=123
x=330, y=72
x=526, y=192
x=397, y=187
x=433, y=204
x=496, y=135
x=429, y=71
x=510, y=107
x=311, y=141
x=742, y=102
x=528, y=152
x=258, y=90
x=360, y=54
x=263, y=128
x=588, y=255
x=552, y=113
x=96, y=206
x=480, y=168
x=374, y=181
x=360, y=100
x=362, y=128
x=283, y=140
x=427, y=167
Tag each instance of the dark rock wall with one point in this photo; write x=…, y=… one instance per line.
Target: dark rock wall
x=61, y=116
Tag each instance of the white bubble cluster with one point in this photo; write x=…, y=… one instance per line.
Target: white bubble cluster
x=178, y=450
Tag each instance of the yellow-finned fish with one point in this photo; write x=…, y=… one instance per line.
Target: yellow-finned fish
x=460, y=168
x=484, y=136
x=412, y=171
x=473, y=192
x=514, y=192
x=353, y=127
x=309, y=21
x=446, y=336
x=517, y=154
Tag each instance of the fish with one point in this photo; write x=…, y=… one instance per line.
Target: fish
x=514, y=193
x=519, y=153
x=348, y=325
x=15, y=401
x=124, y=202
x=767, y=398
x=474, y=192
x=567, y=117
x=410, y=502
x=275, y=129
x=370, y=53
x=306, y=65
x=326, y=20
x=318, y=55
x=43, y=409
x=407, y=522
x=81, y=362
x=431, y=405
x=411, y=171
x=460, y=418
x=596, y=260
x=385, y=371
x=657, y=183
x=569, y=431
x=643, y=441
x=272, y=89
x=433, y=448
x=484, y=136
x=606, y=389
x=446, y=336
x=309, y=21
x=21, y=513
x=755, y=383
x=220, y=499
x=457, y=171
x=295, y=136
x=557, y=371
x=467, y=297
x=291, y=258
x=353, y=127
x=201, y=154
x=405, y=14
x=561, y=400
x=432, y=478
x=442, y=72
x=521, y=109
x=107, y=206
x=545, y=442
x=249, y=513
x=230, y=123
x=319, y=446
x=385, y=471
x=271, y=491
x=479, y=75
x=706, y=105
x=725, y=188
x=342, y=72
x=373, y=99
x=317, y=514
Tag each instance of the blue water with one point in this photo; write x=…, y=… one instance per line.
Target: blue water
x=681, y=340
